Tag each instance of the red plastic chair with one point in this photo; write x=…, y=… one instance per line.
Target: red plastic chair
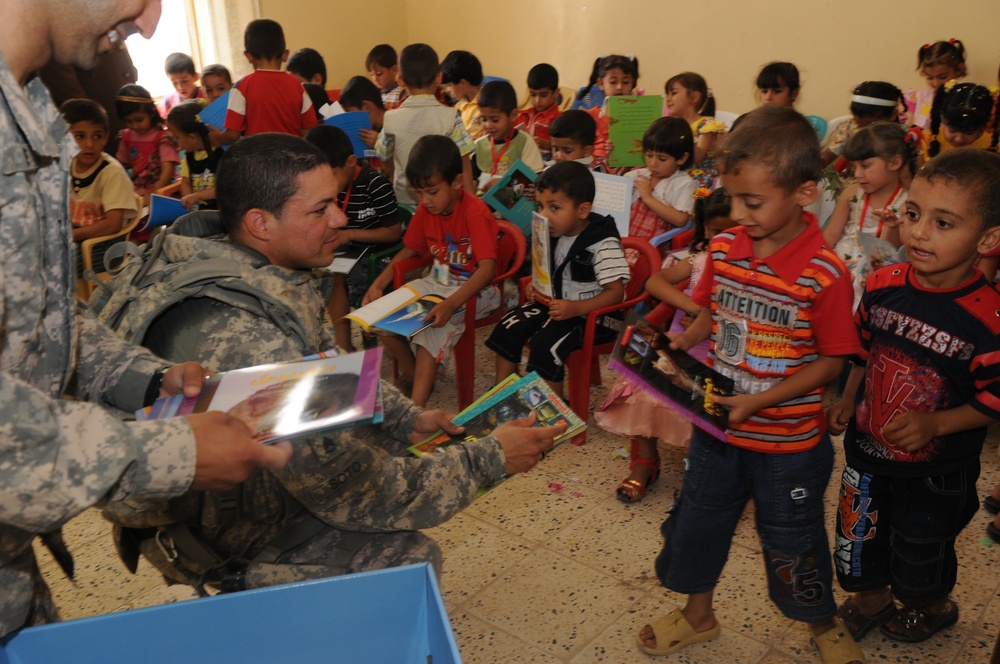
x=511, y=247
x=583, y=366
x=681, y=240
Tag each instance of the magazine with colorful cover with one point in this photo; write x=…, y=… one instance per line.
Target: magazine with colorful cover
x=541, y=275
x=401, y=312
x=507, y=196
x=628, y=119
x=512, y=399
x=644, y=357
x=284, y=400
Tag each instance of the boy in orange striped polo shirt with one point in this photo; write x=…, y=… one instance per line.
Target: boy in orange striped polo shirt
x=777, y=302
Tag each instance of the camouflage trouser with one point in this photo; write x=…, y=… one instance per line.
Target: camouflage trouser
x=330, y=553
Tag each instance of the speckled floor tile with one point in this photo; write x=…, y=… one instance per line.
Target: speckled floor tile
x=617, y=643
x=475, y=553
x=482, y=643
x=741, y=600
x=530, y=507
x=555, y=603
x=617, y=539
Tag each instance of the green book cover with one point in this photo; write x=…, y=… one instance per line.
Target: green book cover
x=628, y=119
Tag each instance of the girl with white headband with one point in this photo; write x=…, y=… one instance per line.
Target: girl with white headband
x=872, y=101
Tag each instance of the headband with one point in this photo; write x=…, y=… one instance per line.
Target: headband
x=137, y=100
x=873, y=101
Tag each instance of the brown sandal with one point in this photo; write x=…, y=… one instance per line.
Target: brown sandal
x=920, y=622
x=630, y=490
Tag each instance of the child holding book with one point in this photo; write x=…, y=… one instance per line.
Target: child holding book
x=146, y=148
x=776, y=301
x=200, y=163
x=632, y=412
x=503, y=144
x=931, y=385
x=663, y=195
x=588, y=271
x=459, y=232
x=613, y=75
x=373, y=223
x=382, y=64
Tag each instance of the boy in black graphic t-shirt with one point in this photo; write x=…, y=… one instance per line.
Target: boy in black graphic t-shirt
x=930, y=384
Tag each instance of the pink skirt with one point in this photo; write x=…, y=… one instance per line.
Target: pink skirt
x=629, y=411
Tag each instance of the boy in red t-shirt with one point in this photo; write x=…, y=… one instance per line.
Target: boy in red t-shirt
x=777, y=302
x=543, y=109
x=267, y=99
x=460, y=233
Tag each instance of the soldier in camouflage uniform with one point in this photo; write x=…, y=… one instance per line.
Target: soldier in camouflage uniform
x=57, y=457
x=349, y=500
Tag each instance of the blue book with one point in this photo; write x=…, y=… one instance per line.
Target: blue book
x=507, y=196
x=352, y=123
x=214, y=114
x=163, y=211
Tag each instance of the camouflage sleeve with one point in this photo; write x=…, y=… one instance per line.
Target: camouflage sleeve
x=399, y=414
x=58, y=457
x=109, y=370
x=352, y=485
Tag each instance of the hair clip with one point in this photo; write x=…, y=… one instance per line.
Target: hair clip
x=952, y=41
x=137, y=100
x=950, y=84
x=709, y=95
x=925, y=47
x=994, y=90
x=702, y=193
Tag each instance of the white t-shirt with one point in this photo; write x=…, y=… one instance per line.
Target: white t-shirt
x=677, y=191
x=608, y=261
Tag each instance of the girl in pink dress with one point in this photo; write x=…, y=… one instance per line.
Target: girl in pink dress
x=631, y=412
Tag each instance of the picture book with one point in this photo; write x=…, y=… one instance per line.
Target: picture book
x=628, y=119
x=401, y=312
x=513, y=399
x=541, y=277
x=163, y=211
x=613, y=197
x=644, y=357
x=352, y=122
x=507, y=196
x=281, y=401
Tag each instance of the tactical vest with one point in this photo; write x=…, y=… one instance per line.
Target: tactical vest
x=148, y=284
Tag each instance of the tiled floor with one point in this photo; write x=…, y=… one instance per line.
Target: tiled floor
x=551, y=567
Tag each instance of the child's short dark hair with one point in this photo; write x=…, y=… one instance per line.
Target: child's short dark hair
x=264, y=39
x=433, y=156
x=570, y=178
x=382, y=55
x=418, y=65
x=975, y=170
x=498, y=94
x=543, y=75
x=84, y=110
x=876, y=101
x=179, y=63
x=576, y=125
x=359, y=89
x=779, y=75
x=673, y=136
x=334, y=143
x=307, y=62
x=262, y=171
x=459, y=65
x=132, y=98
x=217, y=70
x=780, y=138
x=185, y=118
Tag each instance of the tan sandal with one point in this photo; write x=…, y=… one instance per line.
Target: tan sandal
x=673, y=632
x=837, y=647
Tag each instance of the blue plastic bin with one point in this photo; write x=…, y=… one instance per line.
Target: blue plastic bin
x=393, y=615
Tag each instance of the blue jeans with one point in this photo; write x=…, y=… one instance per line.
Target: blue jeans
x=787, y=490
